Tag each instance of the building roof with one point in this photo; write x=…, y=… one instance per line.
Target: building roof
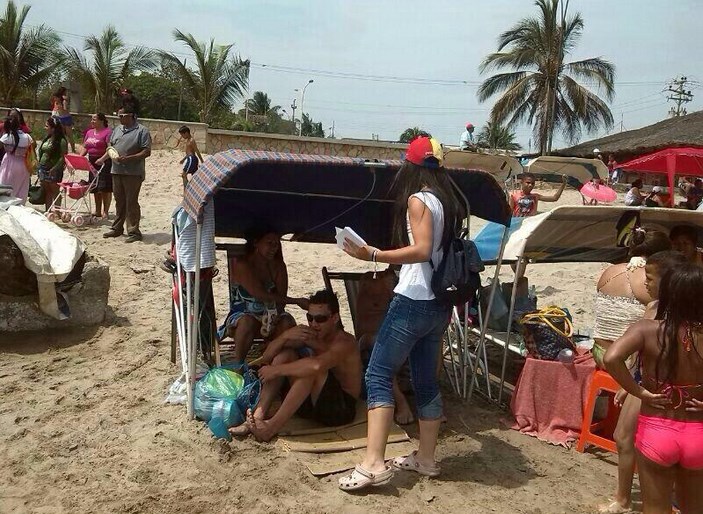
x=672, y=132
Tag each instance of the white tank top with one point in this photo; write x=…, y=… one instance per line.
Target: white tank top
x=414, y=279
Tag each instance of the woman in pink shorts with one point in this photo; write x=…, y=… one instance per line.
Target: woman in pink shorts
x=669, y=437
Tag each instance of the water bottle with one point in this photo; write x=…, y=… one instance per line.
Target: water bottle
x=566, y=355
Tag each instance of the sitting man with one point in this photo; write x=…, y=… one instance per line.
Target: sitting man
x=318, y=367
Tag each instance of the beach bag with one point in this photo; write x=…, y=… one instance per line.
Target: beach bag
x=36, y=195
x=546, y=332
x=222, y=398
x=457, y=278
x=30, y=159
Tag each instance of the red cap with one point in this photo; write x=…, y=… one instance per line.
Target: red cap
x=425, y=151
x=469, y=126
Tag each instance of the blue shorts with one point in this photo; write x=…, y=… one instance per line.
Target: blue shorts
x=65, y=120
x=190, y=165
x=45, y=176
x=411, y=329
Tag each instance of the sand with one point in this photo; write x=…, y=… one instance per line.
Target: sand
x=83, y=426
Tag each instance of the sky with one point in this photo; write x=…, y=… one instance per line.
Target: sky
x=381, y=66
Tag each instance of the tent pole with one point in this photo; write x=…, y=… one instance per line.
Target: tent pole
x=520, y=261
x=195, y=318
x=180, y=318
x=190, y=379
x=494, y=286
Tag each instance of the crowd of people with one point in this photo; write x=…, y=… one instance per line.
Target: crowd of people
x=117, y=160
x=318, y=369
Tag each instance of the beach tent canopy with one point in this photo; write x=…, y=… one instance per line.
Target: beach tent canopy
x=580, y=233
x=671, y=162
x=578, y=170
x=308, y=195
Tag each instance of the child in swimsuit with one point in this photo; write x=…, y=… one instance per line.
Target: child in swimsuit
x=658, y=265
x=670, y=426
x=60, y=110
x=190, y=160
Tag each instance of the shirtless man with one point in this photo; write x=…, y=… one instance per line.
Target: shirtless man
x=190, y=159
x=524, y=202
x=319, y=366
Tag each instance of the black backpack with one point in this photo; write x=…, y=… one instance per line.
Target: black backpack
x=457, y=278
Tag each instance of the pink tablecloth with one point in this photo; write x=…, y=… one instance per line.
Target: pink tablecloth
x=549, y=398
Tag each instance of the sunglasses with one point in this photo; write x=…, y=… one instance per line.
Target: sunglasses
x=124, y=115
x=318, y=318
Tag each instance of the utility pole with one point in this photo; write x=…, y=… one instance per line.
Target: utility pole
x=293, y=107
x=331, y=129
x=679, y=95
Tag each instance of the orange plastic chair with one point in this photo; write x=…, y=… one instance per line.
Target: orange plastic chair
x=601, y=381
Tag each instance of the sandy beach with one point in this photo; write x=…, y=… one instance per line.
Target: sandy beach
x=84, y=428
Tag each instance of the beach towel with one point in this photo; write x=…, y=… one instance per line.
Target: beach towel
x=549, y=398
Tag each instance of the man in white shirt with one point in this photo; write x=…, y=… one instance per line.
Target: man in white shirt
x=467, y=138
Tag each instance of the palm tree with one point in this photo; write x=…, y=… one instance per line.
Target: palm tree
x=220, y=78
x=497, y=137
x=542, y=89
x=27, y=56
x=110, y=66
x=260, y=104
x=412, y=133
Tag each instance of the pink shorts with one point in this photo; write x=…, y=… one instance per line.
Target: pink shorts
x=669, y=441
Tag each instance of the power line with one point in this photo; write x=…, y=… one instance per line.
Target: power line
x=363, y=76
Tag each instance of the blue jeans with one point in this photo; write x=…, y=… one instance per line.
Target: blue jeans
x=411, y=329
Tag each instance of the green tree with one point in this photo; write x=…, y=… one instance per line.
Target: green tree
x=27, y=56
x=542, y=88
x=220, y=78
x=109, y=67
x=160, y=95
x=260, y=104
x=411, y=133
x=497, y=137
x=310, y=128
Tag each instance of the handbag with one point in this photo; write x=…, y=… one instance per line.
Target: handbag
x=547, y=332
x=30, y=159
x=36, y=195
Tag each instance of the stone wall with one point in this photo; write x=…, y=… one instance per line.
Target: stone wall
x=219, y=140
x=164, y=133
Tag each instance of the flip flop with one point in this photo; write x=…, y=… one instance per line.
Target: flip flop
x=614, y=508
x=409, y=463
x=360, y=478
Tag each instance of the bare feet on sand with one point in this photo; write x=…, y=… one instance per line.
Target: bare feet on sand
x=240, y=430
x=260, y=428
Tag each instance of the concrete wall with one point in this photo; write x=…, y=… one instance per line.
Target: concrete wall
x=219, y=140
x=164, y=134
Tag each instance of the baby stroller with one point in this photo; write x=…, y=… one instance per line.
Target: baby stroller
x=74, y=195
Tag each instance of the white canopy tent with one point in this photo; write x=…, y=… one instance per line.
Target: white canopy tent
x=581, y=234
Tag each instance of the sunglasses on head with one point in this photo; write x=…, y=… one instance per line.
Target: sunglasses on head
x=318, y=318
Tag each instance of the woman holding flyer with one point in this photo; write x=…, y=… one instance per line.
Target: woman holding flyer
x=426, y=220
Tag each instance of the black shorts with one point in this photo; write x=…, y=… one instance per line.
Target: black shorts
x=334, y=406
